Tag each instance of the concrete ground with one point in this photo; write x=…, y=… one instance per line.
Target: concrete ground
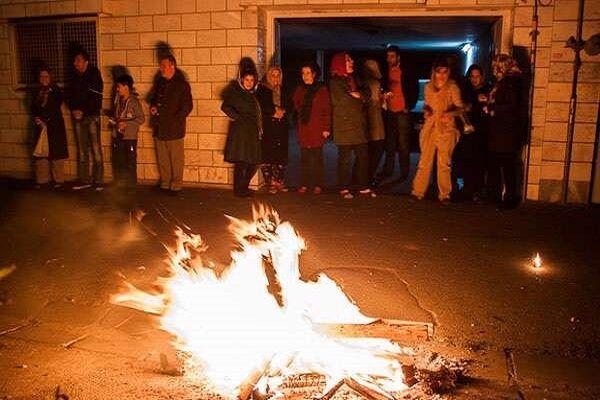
x=464, y=267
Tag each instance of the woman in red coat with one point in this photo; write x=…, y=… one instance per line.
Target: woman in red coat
x=313, y=108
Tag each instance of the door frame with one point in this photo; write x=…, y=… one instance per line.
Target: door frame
x=273, y=14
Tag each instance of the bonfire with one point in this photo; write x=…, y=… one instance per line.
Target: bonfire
x=248, y=330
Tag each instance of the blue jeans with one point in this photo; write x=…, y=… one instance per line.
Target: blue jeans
x=87, y=132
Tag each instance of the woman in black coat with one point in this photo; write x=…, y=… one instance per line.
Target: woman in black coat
x=243, y=146
x=470, y=154
x=271, y=97
x=48, y=118
x=506, y=130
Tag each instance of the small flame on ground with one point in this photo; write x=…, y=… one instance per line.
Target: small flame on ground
x=537, y=261
x=236, y=333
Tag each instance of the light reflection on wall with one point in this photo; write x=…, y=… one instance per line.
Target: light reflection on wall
x=470, y=51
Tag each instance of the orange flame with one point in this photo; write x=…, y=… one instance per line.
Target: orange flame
x=230, y=326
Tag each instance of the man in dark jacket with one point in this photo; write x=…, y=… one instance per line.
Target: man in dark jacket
x=170, y=105
x=401, y=96
x=85, y=102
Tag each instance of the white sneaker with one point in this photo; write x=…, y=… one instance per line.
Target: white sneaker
x=83, y=186
x=99, y=188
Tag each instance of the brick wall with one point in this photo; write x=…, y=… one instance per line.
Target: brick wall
x=208, y=38
x=558, y=79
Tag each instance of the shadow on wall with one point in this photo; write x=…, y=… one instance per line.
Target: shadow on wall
x=116, y=71
x=243, y=61
x=522, y=57
x=161, y=50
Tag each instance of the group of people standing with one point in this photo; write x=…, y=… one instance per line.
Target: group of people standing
x=84, y=98
x=478, y=130
x=348, y=109
x=170, y=103
x=472, y=134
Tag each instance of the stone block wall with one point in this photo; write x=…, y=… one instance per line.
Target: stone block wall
x=208, y=37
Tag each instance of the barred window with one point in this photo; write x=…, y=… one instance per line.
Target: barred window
x=52, y=43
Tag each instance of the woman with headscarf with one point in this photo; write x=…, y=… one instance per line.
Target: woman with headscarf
x=439, y=134
x=50, y=134
x=313, y=108
x=349, y=125
x=507, y=128
x=470, y=154
x=270, y=94
x=376, y=127
x=243, y=147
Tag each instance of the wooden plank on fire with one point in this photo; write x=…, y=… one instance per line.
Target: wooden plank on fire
x=398, y=330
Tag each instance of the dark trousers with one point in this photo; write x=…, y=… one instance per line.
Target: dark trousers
x=87, y=133
x=361, y=167
x=503, y=169
x=376, y=150
x=469, y=164
x=397, y=139
x=312, y=166
x=124, y=158
x=242, y=175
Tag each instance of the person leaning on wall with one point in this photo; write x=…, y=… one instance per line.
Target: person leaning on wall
x=50, y=135
x=170, y=105
x=243, y=145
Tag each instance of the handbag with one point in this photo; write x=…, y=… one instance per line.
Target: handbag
x=42, y=149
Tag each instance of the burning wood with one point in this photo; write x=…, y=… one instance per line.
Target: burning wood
x=246, y=340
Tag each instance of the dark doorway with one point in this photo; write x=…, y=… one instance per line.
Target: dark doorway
x=464, y=40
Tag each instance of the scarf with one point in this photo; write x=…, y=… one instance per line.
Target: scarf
x=307, y=101
x=121, y=107
x=42, y=98
x=259, y=120
x=276, y=89
x=338, y=68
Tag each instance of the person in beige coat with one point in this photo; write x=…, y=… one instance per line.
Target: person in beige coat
x=375, y=124
x=439, y=134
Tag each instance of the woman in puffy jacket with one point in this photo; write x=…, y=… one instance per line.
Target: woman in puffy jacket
x=348, y=102
x=243, y=145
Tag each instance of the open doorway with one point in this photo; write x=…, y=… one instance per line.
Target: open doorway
x=464, y=40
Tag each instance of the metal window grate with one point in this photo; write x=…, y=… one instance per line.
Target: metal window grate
x=52, y=43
